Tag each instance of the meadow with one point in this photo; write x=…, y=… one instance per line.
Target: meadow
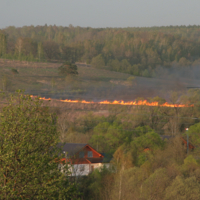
x=91, y=84
x=43, y=78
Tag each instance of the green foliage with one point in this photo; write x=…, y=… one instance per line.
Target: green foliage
x=182, y=189
x=137, y=51
x=131, y=78
x=154, y=186
x=108, y=137
x=68, y=69
x=165, y=171
x=190, y=160
x=145, y=138
x=123, y=157
x=98, y=61
x=194, y=129
x=145, y=73
x=114, y=65
x=28, y=163
x=123, y=66
x=149, y=139
x=25, y=47
x=40, y=51
x=189, y=166
x=3, y=43
x=89, y=121
x=157, y=178
x=96, y=185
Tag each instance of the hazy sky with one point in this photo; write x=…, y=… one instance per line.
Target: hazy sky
x=99, y=13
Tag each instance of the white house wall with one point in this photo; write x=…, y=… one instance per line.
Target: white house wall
x=85, y=169
x=80, y=169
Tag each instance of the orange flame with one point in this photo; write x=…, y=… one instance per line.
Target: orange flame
x=115, y=102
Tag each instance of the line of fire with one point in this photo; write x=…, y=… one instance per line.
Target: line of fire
x=115, y=102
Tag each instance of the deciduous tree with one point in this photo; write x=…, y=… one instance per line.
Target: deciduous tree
x=28, y=161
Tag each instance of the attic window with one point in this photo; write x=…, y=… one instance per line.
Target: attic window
x=90, y=154
x=81, y=154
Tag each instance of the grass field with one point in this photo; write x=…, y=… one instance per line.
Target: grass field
x=43, y=79
x=91, y=83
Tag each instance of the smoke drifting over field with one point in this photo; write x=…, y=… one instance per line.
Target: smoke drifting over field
x=165, y=80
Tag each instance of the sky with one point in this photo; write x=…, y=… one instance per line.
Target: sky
x=99, y=13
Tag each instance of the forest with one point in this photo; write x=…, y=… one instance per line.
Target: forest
x=143, y=144
x=144, y=165
x=136, y=51
x=148, y=147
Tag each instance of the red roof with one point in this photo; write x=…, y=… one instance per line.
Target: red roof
x=73, y=155
x=185, y=142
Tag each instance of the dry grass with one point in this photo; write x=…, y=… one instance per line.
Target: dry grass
x=18, y=64
x=43, y=79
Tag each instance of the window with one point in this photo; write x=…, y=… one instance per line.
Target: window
x=90, y=154
x=81, y=154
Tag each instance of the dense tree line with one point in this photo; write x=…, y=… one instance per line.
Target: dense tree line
x=138, y=51
x=108, y=133
x=143, y=166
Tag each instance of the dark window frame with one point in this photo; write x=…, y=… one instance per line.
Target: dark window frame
x=90, y=154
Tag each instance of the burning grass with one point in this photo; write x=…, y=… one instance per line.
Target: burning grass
x=115, y=102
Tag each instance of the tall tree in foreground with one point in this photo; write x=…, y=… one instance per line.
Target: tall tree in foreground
x=28, y=163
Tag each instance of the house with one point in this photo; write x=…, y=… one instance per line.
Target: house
x=82, y=157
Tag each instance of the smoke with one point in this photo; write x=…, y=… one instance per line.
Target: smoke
x=165, y=81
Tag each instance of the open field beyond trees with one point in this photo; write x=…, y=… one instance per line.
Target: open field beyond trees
x=91, y=83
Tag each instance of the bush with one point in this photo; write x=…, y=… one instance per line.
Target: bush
x=68, y=69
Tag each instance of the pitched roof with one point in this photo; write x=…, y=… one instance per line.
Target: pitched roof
x=71, y=148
